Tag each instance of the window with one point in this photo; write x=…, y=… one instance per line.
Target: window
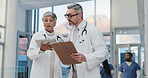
x=62, y=24
x=3, y=12
x=127, y=36
x=103, y=15
x=107, y=41
x=41, y=12
x=2, y=31
x=1, y=52
x=22, y=57
x=88, y=11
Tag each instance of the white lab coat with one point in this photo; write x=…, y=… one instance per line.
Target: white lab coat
x=41, y=61
x=94, y=49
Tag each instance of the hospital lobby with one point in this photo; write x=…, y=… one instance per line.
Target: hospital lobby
x=123, y=23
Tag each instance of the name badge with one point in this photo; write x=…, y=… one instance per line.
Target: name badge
x=124, y=70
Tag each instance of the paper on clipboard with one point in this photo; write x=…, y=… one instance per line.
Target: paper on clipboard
x=64, y=51
x=45, y=41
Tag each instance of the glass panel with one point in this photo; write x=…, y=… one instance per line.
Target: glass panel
x=107, y=41
x=88, y=11
x=62, y=25
x=60, y=14
x=23, y=42
x=33, y=21
x=134, y=51
x=127, y=31
x=22, y=57
x=121, y=54
x=9, y=71
x=123, y=50
x=143, y=69
x=2, y=31
x=3, y=12
x=1, y=52
x=41, y=12
x=127, y=38
x=103, y=15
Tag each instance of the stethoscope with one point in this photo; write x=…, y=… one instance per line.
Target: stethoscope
x=84, y=30
x=57, y=37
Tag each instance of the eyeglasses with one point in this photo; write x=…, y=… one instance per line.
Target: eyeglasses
x=70, y=16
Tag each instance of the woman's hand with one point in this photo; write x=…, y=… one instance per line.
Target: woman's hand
x=45, y=46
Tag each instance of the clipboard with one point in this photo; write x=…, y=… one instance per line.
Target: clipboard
x=64, y=51
x=45, y=41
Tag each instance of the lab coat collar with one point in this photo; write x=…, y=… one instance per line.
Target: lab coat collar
x=81, y=25
x=44, y=32
x=50, y=34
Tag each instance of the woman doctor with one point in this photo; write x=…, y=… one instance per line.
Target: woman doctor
x=46, y=63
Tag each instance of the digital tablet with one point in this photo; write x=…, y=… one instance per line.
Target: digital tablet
x=45, y=41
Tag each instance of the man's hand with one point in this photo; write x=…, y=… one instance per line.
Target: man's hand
x=45, y=46
x=79, y=57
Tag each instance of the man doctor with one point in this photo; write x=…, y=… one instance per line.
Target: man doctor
x=46, y=63
x=89, y=43
x=129, y=68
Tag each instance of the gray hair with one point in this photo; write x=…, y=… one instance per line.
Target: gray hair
x=77, y=7
x=53, y=15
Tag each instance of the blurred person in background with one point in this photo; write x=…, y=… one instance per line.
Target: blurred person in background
x=106, y=70
x=129, y=68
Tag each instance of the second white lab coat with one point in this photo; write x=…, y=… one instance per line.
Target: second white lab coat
x=92, y=45
x=41, y=60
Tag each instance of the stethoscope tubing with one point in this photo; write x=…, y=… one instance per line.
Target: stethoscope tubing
x=58, y=37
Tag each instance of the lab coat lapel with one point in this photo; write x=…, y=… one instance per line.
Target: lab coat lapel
x=81, y=28
x=79, y=34
x=44, y=35
x=72, y=35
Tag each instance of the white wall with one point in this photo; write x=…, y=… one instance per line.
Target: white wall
x=10, y=41
x=146, y=35
x=21, y=18
x=34, y=4
x=2, y=11
x=13, y=17
x=2, y=30
x=124, y=13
